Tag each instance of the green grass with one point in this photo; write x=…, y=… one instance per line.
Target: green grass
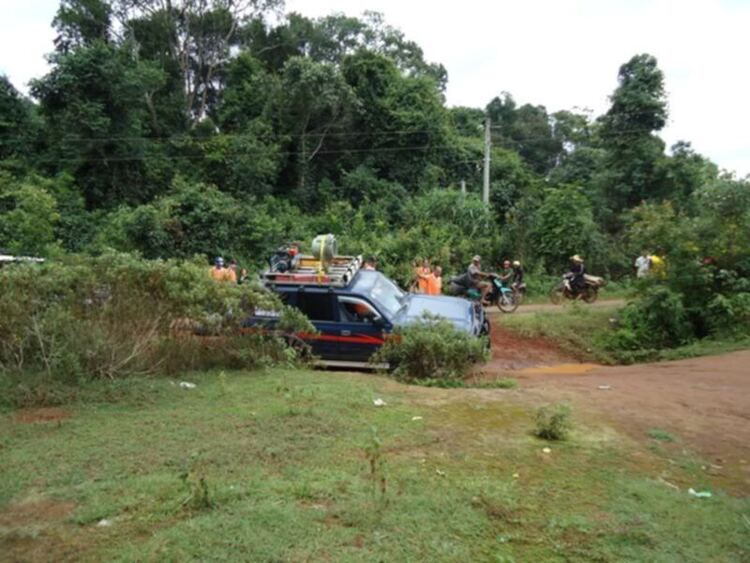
x=576, y=327
x=660, y=435
x=580, y=330
x=291, y=465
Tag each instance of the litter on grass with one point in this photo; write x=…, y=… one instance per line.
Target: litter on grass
x=546, y=450
x=187, y=385
x=668, y=484
x=379, y=402
x=604, y=387
x=416, y=418
x=699, y=494
x=104, y=523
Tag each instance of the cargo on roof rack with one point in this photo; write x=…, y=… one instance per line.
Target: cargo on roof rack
x=338, y=271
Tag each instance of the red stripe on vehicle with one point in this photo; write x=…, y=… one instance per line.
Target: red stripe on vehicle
x=352, y=339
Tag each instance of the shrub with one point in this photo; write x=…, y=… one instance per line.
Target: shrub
x=656, y=320
x=432, y=349
x=729, y=315
x=553, y=422
x=117, y=315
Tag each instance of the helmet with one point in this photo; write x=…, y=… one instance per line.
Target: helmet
x=516, y=264
x=476, y=258
x=219, y=261
x=576, y=258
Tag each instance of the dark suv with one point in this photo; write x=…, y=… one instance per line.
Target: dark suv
x=354, y=315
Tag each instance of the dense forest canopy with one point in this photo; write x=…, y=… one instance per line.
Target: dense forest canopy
x=176, y=127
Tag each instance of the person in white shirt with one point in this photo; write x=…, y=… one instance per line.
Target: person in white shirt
x=643, y=264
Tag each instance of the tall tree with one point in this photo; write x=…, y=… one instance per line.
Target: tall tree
x=197, y=37
x=332, y=38
x=81, y=22
x=628, y=132
x=526, y=129
x=400, y=120
x=314, y=105
x=18, y=126
x=93, y=101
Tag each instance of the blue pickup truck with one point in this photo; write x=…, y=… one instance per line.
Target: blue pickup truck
x=355, y=310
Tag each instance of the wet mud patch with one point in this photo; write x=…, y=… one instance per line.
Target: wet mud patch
x=512, y=353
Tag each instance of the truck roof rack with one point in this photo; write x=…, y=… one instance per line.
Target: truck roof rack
x=309, y=270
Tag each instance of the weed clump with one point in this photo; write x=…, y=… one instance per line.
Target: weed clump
x=660, y=435
x=432, y=349
x=374, y=452
x=195, y=485
x=553, y=422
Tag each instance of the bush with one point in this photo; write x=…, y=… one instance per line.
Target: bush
x=656, y=320
x=432, y=349
x=553, y=422
x=117, y=315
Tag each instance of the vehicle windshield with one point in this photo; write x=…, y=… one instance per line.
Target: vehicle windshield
x=388, y=295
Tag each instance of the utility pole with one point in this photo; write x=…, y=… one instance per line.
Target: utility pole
x=487, y=145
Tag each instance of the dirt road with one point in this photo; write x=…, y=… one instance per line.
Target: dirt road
x=550, y=308
x=703, y=402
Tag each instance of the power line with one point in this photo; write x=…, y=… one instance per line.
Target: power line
x=421, y=148
x=279, y=136
x=203, y=141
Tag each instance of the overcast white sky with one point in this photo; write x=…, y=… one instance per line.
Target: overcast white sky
x=558, y=53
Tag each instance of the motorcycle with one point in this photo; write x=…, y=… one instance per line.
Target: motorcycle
x=588, y=294
x=501, y=296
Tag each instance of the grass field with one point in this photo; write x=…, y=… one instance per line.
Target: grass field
x=291, y=465
x=579, y=329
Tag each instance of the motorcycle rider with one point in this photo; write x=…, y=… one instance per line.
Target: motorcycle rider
x=506, y=276
x=576, y=274
x=477, y=277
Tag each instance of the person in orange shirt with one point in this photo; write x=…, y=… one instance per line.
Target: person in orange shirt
x=435, y=282
x=218, y=271
x=221, y=273
x=230, y=274
x=232, y=271
x=423, y=276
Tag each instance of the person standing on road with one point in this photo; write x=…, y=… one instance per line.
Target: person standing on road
x=642, y=264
